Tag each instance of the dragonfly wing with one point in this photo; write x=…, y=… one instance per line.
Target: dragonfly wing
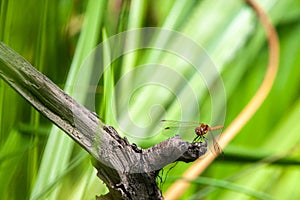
x=213, y=143
x=173, y=124
x=173, y=127
x=179, y=123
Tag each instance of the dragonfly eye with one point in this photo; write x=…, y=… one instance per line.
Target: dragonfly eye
x=204, y=128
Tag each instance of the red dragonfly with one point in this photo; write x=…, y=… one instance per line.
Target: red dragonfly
x=204, y=133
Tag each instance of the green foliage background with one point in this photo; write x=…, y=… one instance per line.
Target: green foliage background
x=38, y=161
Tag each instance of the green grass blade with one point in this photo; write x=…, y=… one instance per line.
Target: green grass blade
x=59, y=146
x=230, y=186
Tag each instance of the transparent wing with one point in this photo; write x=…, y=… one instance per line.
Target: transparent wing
x=173, y=127
x=175, y=123
x=212, y=142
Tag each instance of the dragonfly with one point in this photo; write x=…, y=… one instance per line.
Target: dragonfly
x=204, y=132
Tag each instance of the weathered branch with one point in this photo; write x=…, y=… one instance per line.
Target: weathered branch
x=128, y=171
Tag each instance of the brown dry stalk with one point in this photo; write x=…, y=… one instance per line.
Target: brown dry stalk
x=178, y=188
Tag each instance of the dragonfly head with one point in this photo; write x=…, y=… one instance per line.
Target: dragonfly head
x=202, y=129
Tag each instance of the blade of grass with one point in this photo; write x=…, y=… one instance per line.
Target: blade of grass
x=108, y=86
x=11, y=157
x=51, y=186
x=39, y=61
x=135, y=19
x=59, y=146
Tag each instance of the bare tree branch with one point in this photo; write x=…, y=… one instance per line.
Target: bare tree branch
x=128, y=171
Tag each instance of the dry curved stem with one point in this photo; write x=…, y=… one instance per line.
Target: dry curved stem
x=178, y=188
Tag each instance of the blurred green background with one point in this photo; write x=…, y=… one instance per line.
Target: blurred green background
x=37, y=161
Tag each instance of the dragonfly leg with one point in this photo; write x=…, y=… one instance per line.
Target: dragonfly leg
x=196, y=138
